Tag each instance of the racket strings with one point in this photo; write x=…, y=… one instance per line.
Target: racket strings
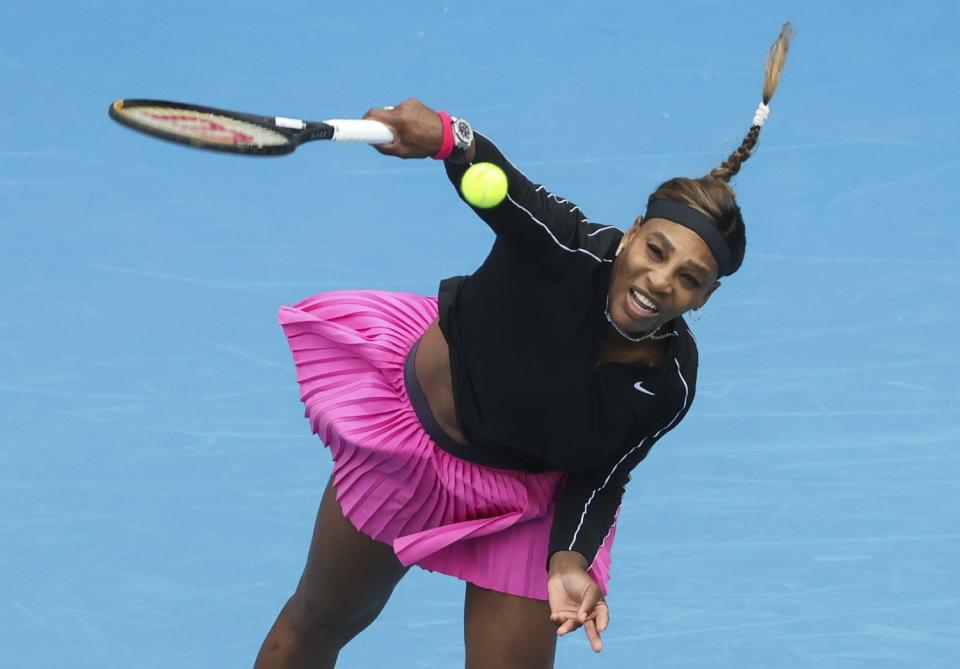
x=204, y=126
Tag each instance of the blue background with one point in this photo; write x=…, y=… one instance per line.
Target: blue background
x=157, y=480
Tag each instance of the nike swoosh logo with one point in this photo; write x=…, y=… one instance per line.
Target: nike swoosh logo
x=639, y=386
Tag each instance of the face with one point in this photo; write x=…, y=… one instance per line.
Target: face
x=663, y=271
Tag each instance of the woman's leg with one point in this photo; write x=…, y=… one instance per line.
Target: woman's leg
x=507, y=632
x=345, y=585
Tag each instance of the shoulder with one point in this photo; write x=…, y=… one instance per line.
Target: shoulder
x=685, y=360
x=570, y=229
x=676, y=375
x=601, y=240
x=686, y=352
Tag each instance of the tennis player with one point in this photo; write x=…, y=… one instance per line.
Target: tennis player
x=488, y=433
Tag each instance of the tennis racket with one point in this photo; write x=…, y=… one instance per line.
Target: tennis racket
x=235, y=132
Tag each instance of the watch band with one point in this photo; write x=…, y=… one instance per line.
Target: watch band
x=447, y=143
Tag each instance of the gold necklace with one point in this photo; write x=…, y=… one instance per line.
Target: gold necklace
x=650, y=336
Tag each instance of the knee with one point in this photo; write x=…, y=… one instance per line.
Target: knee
x=324, y=621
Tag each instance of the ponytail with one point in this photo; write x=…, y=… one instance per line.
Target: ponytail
x=776, y=58
x=712, y=194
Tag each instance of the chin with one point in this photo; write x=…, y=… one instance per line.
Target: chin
x=631, y=320
x=637, y=325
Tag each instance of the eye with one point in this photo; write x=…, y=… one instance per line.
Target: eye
x=690, y=281
x=654, y=252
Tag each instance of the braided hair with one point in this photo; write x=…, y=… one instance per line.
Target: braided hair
x=712, y=194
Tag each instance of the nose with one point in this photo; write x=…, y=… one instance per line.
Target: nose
x=659, y=279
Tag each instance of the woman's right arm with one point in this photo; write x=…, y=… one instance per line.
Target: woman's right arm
x=417, y=129
x=530, y=217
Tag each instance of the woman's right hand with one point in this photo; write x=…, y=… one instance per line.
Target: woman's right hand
x=417, y=129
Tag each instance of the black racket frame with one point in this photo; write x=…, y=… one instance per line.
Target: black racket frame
x=310, y=132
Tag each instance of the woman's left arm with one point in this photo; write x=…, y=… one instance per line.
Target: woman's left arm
x=575, y=598
x=585, y=513
x=586, y=508
x=588, y=502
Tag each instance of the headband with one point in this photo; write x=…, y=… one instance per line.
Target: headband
x=690, y=218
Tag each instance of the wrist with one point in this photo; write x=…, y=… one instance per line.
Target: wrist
x=565, y=561
x=467, y=156
x=447, y=140
x=457, y=143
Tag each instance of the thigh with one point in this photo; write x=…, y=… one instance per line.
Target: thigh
x=348, y=576
x=505, y=631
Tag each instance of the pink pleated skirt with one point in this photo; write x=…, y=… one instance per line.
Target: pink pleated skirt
x=485, y=525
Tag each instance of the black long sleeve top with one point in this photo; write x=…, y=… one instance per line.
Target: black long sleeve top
x=525, y=332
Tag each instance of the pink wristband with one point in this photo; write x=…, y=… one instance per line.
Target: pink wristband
x=446, y=146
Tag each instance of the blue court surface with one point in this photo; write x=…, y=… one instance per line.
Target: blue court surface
x=158, y=482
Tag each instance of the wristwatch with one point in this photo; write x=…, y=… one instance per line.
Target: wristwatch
x=462, y=137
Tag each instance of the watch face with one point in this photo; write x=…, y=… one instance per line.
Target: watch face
x=463, y=131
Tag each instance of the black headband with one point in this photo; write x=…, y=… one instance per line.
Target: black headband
x=688, y=217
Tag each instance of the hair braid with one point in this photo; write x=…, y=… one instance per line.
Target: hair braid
x=712, y=194
x=731, y=165
x=776, y=58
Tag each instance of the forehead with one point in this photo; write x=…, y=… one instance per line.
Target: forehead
x=685, y=242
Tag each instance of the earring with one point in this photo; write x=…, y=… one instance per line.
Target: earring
x=696, y=314
x=619, y=249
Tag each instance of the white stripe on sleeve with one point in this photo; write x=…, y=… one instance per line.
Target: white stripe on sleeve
x=586, y=506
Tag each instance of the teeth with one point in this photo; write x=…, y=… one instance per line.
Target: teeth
x=643, y=300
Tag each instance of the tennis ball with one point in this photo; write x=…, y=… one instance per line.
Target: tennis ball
x=484, y=185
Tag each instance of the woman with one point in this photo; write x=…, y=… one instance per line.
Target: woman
x=489, y=433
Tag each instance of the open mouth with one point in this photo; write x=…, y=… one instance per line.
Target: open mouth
x=643, y=303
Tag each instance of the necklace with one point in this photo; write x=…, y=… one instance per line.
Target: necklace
x=650, y=336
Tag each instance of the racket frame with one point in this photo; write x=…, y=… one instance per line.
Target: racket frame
x=306, y=132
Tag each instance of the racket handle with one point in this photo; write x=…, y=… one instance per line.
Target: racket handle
x=350, y=130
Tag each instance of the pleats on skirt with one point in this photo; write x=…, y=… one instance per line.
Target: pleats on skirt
x=485, y=525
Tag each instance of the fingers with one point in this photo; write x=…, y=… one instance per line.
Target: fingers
x=417, y=130
x=388, y=117
x=603, y=615
x=567, y=627
x=590, y=627
x=591, y=597
x=593, y=635
x=382, y=114
x=565, y=620
x=577, y=601
x=423, y=128
x=595, y=624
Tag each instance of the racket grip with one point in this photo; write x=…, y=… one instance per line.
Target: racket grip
x=350, y=130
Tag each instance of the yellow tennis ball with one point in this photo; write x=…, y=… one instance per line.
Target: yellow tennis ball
x=484, y=185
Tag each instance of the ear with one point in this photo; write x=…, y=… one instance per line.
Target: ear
x=632, y=231
x=706, y=297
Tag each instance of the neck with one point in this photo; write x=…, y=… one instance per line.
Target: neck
x=617, y=349
x=636, y=338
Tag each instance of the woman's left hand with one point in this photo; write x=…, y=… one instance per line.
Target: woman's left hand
x=576, y=601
